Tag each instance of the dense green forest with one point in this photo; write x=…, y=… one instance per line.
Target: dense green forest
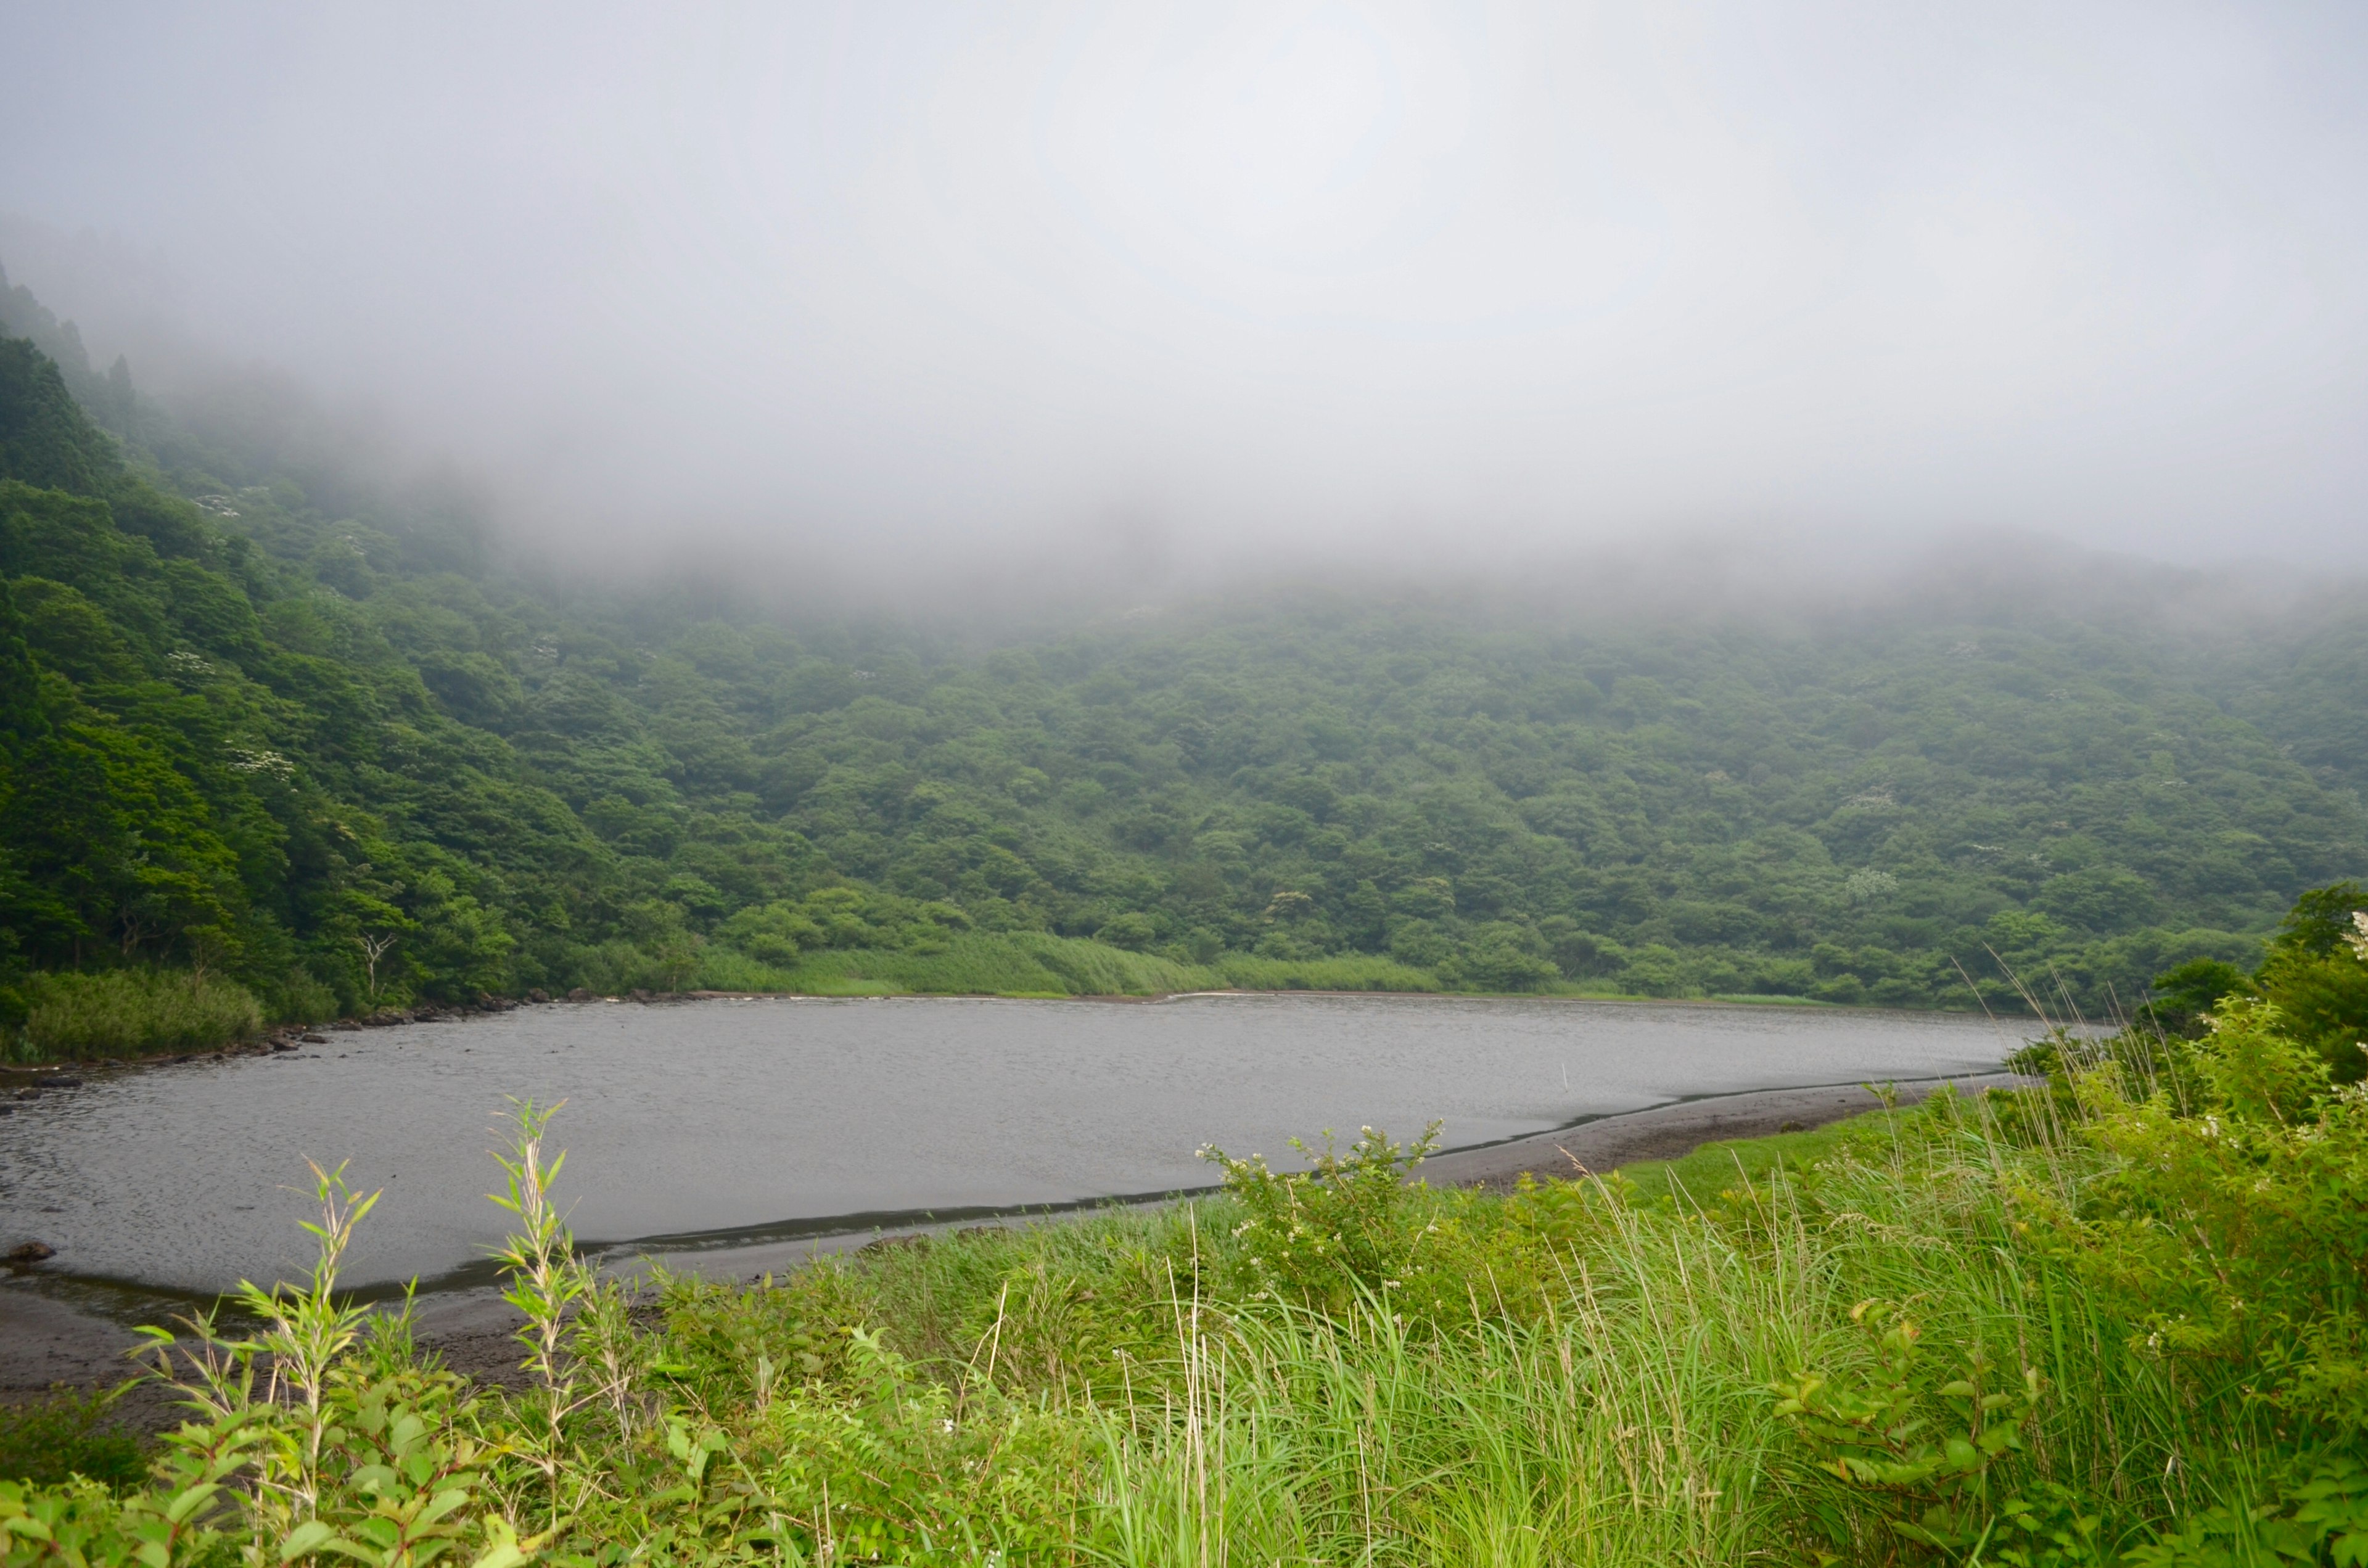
x=281, y=724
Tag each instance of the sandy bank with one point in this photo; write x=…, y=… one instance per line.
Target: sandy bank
x=1673, y=1131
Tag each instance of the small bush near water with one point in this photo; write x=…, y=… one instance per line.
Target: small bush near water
x=70, y=1433
x=132, y=1012
x=2118, y=1320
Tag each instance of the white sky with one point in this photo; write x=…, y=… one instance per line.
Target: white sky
x=1229, y=283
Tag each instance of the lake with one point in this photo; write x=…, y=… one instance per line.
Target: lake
x=722, y=1121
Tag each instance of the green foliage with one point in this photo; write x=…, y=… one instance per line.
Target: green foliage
x=2316, y=976
x=44, y=439
x=1929, y=1436
x=1345, y=971
x=2185, y=993
x=2228, y=1228
x=1715, y=1167
x=48, y=1441
x=2320, y=922
x=2320, y=1516
x=1330, y=1235
x=1022, y=963
x=121, y=1012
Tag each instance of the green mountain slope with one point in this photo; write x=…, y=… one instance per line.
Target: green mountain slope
x=268, y=736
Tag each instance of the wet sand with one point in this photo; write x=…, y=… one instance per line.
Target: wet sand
x=1673, y=1131
x=58, y=1330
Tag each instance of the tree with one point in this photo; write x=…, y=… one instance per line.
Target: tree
x=120, y=394
x=109, y=830
x=375, y=946
x=45, y=440
x=22, y=723
x=463, y=948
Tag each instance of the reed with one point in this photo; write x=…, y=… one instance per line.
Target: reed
x=130, y=1012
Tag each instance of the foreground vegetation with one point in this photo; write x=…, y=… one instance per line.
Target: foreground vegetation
x=267, y=718
x=2116, y=1319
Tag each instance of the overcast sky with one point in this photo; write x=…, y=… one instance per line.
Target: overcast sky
x=1216, y=282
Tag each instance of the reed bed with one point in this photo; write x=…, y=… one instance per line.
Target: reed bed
x=131, y=1012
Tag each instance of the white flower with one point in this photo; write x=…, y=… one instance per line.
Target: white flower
x=1868, y=884
x=243, y=760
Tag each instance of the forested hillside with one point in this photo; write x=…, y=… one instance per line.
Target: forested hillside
x=273, y=722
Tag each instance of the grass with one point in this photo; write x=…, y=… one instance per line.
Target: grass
x=1584, y=1380
x=1035, y=963
x=132, y=1012
x=68, y=1432
x=1715, y=1168
x=1347, y=971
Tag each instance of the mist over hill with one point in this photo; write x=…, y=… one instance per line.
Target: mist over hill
x=272, y=713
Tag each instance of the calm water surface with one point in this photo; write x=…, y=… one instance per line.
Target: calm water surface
x=764, y=1117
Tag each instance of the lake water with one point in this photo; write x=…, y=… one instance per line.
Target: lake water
x=722, y=1121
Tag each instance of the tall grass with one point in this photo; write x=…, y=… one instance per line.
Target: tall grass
x=1347, y=972
x=132, y=1012
x=1026, y=963
x=1603, y=1397
x=1036, y=964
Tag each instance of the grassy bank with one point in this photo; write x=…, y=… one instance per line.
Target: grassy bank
x=131, y=1012
x=139, y=1012
x=1035, y=963
x=2115, y=1321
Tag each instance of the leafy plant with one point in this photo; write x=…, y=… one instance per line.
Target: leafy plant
x=1329, y=1234
x=546, y=1280
x=125, y=1011
x=2322, y=1520
x=70, y=1433
x=1924, y=1439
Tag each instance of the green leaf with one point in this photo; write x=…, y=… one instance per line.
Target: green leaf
x=189, y=1501
x=308, y=1536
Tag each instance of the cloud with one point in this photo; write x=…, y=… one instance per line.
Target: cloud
x=885, y=287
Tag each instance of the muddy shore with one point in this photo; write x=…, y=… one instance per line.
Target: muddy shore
x=57, y=1331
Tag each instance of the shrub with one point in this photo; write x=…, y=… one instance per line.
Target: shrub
x=300, y=999
x=1324, y=1236
x=2230, y=1233
x=68, y=1434
x=1345, y=971
x=130, y=1012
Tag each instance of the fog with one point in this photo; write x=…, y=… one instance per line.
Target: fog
x=895, y=292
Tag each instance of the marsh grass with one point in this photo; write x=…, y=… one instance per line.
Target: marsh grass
x=1590, y=1374
x=130, y=1012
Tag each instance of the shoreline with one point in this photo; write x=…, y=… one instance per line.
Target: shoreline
x=48, y=1338
x=40, y=1075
